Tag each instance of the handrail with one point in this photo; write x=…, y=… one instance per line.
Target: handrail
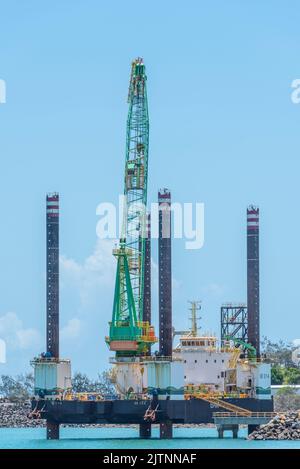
x=244, y=414
x=138, y=338
x=54, y=360
x=145, y=358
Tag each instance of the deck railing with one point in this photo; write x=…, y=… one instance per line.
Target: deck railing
x=241, y=414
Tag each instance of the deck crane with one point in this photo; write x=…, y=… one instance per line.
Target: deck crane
x=129, y=335
x=251, y=351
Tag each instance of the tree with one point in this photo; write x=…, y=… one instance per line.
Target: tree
x=291, y=376
x=81, y=383
x=27, y=382
x=277, y=374
x=16, y=389
x=286, y=399
x=102, y=385
x=277, y=352
x=283, y=375
x=21, y=387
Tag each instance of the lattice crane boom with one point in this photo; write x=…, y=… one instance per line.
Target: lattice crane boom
x=128, y=334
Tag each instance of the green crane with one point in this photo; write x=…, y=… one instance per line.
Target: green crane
x=252, y=355
x=129, y=335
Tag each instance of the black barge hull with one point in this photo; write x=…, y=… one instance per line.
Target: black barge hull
x=194, y=411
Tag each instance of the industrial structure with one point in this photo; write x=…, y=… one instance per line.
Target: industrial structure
x=210, y=367
x=184, y=384
x=240, y=322
x=164, y=273
x=147, y=275
x=234, y=322
x=253, y=277
x=52, y=374
x=129, y=334
x=165, y=297
x=193, y=331
x=195, y=306
x=52, y=284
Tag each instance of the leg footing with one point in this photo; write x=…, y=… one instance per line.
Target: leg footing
x=145, y=430
x=52, y=430
x=233, y=428
x=252, y=428
x=166, y=430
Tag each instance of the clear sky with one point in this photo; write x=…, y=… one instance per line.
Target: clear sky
x=223, y=131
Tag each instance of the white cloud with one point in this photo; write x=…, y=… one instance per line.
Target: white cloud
x=16, y=335
x=93, y=281
x=296, y=342
x=95, y=272
x=71, y=330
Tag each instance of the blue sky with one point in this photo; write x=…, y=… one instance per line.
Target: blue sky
x=223, y=131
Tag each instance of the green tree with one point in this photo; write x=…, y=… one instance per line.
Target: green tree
x=277, y=374
x=277, y=352
x=283, y=375
x=81, y=383
x=291, y=376
x=16, y=389
x=102, y=385
x=286, y=399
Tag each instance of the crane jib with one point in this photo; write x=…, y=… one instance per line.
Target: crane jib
x=128, y=333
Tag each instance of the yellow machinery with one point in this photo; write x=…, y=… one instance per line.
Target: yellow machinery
x=82, y=396
x=233, y=360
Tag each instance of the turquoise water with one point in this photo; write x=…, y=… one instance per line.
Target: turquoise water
x=123, y=438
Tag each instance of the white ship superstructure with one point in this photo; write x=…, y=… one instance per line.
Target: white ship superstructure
x=203, y=362
x=200, y=365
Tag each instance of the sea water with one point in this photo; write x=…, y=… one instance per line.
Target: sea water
x=128, y=438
